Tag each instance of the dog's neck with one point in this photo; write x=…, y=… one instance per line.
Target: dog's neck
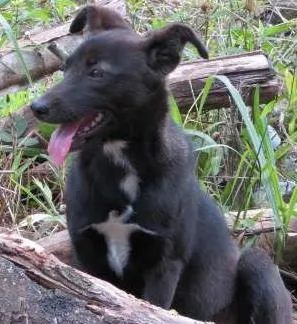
x=148, y=133
x=145, y=136
x=144, y=151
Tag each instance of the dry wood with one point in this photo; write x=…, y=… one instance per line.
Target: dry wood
x=59, y=245
x=71, y=296
x=264, y=231
x=39, y=60
x=245, y=72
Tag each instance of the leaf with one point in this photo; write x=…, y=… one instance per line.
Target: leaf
x=292, y=204
x=207, y=87
x=203, y=142
x=5, y=137
x=39, y=14
x=46, y=191
x=20, y=167
x=17, y=159
x=4, y=2
x=28, y=141
x=291, y=84
x=20, y=126
x=278, y=29
x=46, y=130
x=268, y=108
x=158, y=23
x=282, y=151
x=31, y=195
x=175, y=113
x=269, y=175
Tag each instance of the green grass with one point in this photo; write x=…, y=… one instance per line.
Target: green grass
x=11, y=102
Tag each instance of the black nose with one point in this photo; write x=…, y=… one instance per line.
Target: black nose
x=39, y=107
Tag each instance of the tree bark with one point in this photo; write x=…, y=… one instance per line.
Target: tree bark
x=35, y=287
x=245, y=72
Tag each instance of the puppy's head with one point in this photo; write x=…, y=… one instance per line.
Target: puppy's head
x=113, y=77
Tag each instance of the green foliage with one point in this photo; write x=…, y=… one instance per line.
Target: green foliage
x=4, y=2
x=210, y=154
x=12, y=102
x=24, y=14
x=265, y=157
x=175, y=113
x=15, y=138
x=44, y=202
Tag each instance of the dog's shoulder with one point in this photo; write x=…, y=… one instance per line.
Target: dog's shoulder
x=178, y=146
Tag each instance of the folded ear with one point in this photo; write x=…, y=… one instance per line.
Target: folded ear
x=96, y=18
x=164, y=46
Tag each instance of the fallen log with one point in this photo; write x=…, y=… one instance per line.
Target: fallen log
x=245, y=71
x=39, y=60
x=35, y=287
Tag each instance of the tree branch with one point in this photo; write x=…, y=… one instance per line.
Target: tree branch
x=74, y=294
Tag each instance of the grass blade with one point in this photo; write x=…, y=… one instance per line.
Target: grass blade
x=256, y=141
x=175, y=113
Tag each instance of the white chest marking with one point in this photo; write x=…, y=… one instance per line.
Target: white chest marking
x=130, y=183
x=114, y=150
x=117, y=234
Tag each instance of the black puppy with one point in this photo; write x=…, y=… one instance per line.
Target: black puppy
x=136, y=215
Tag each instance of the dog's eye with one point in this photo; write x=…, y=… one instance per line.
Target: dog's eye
x=96, y=73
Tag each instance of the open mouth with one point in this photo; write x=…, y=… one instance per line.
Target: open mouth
x=71, y=136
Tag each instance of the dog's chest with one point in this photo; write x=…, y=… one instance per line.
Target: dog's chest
x=116, y=229
x=114, y=151
x=117, y=232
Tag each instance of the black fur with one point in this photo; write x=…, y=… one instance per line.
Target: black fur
x=190, y=263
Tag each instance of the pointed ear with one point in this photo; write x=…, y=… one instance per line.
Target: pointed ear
x=164, y=46
x=96, y=18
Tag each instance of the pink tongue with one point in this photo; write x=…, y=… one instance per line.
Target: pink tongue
x=61, y=140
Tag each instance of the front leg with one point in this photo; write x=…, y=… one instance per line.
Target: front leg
x=161, y=282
